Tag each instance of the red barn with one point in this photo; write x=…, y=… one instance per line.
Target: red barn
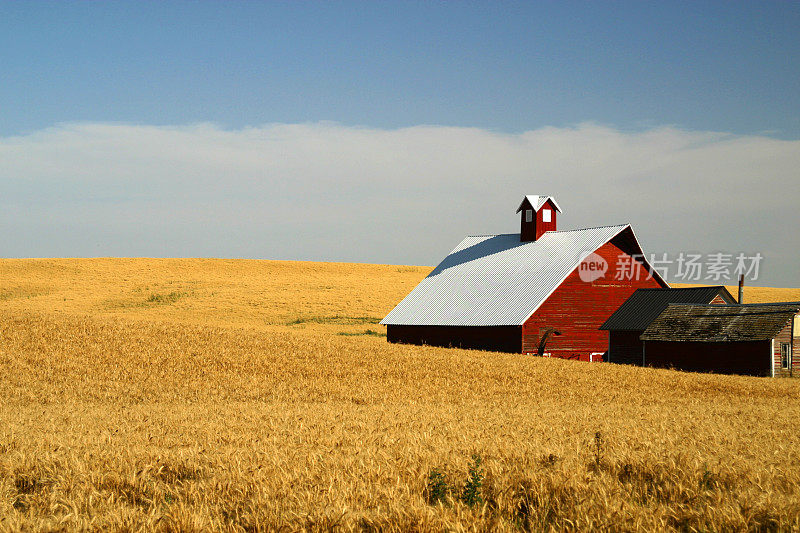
x=541, y=290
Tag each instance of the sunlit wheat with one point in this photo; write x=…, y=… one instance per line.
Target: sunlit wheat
x=220, y=395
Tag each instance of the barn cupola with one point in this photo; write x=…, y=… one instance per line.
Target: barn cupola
x=537, y=215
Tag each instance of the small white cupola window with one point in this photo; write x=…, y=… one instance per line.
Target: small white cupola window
x=529, y=215
x=546, y=214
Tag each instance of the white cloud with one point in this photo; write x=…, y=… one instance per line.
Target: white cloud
x=330, y=192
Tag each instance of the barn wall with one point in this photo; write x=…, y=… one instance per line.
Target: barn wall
x=577, y=309
x=785, y=336
x=527, y=230
x=745, y=358
x=541, y=225
x=530, y=231
x=796, y=346
x=625, y=347
x=495, y=338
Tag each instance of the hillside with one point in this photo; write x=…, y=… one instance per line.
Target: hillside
x=259, y=395
x=269, y=295
x=266, y=295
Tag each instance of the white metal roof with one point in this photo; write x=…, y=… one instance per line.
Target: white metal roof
x=537, y=201
x=496, y=280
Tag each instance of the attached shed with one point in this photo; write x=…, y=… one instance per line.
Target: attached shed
x=750, y=339
x=628, y=322
x=538, y=291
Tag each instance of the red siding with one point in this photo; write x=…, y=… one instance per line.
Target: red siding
x=541, y=225
x=746, y=358
x=577, y=308
x=530, y=231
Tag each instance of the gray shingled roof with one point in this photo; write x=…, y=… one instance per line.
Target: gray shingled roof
x=645, y=305
x=496, y=280
x=720, y=323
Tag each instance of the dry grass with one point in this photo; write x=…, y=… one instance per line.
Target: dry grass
x=265, y=295
x=220, y=395
x=757, y=295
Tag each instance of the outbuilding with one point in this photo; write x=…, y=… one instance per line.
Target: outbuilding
x=541, y=291
x=628, y=322
x=750, y=339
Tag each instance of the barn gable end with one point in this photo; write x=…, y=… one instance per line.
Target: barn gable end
x=576, y=308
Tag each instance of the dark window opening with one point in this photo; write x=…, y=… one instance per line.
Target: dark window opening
x=786, y=355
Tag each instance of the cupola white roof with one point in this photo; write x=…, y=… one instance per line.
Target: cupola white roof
x=537, y=201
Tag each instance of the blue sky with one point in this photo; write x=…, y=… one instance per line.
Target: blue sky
x=720, y=66
x=386, y=131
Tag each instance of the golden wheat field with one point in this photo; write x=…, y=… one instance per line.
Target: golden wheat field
x=233, y=395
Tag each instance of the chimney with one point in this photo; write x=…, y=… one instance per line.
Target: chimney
x=537, y=216
x=741, y=289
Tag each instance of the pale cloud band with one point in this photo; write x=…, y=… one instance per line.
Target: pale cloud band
x=325, y=191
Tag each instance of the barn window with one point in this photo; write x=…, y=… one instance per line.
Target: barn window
x=786, y=355
x=528, y=215
x=546, y=215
